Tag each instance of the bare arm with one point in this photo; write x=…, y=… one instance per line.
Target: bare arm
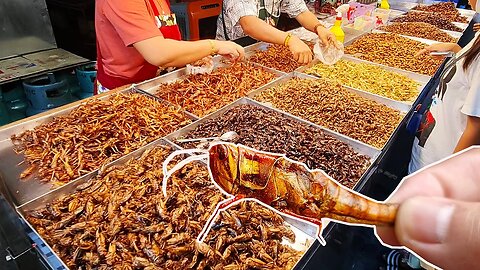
x=309, y=21
x=164, y=52
x=471, y=135
x=260, y=30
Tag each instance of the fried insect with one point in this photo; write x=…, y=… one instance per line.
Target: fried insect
x=202, y=94
x=288, y=186
x=93, y=134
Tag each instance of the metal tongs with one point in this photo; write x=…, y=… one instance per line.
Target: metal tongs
x=446, y=54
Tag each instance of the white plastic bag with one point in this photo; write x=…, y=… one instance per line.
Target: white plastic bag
x=328, y=55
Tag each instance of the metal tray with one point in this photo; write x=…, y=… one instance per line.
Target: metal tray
x=304, y=232
x=464, y=12
x=349, y=56
x=453, y=34
x=22, y=191
x=151, y=86
x=393, y=104
x=358, y=146
x=423, y=40
x=462, y=26
x=402, y=105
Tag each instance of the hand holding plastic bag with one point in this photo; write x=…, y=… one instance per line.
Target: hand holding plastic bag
x=202, y=66
x=330, y=54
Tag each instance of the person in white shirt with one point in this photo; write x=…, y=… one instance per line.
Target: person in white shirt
x=452, y=123
x=257, y=19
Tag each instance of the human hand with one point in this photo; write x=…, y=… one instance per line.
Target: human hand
x=326, y=37
x=301, y=52
x=439, y=47
x=230, y=50
x=439, y=213
x=207, y=61
x=476, y=27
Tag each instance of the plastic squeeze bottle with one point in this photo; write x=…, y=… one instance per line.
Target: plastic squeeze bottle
x=384, y=4
x=337, y=28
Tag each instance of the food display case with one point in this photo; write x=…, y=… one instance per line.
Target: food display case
x=380, y=168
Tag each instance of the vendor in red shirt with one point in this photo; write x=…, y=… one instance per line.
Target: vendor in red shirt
x=137, y=38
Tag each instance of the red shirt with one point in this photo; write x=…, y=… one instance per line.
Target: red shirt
x=119, y=24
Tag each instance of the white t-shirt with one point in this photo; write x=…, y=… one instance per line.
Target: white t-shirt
x=457, y=96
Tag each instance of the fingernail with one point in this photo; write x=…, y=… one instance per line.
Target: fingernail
x=425, y=220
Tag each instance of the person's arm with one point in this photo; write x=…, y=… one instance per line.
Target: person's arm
x=440, y=47
x=164, y=52
x=310, y=22
x=471, y=135
x=135, y=27
x=260, y=30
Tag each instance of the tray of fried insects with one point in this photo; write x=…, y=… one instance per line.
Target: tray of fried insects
x=393, y=104
x=403, y=60
x=29, y=208
x=21, y=180
x=401, y=108
x=357, y=146
x=453, y=34
x=77, y=219
x=404, y=106
x=423, y=40
x=151, y=86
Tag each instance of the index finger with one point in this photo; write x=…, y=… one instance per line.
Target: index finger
x=422, y=51
x=457, y=177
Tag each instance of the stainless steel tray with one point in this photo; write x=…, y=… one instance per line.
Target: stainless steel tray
x=349, y=56
x=400, y=105
x=462, y=26
x=22, y=191
x=69, y=188
x=453, y=34
x=423, y=40
x=304, y=232
x=393, y=104
x=358, y=146
x=151, y=86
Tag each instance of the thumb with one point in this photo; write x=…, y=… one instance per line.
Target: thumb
x=442, y=231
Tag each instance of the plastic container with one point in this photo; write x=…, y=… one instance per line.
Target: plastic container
x=86, y=76
x=382, y=14
x=364, y=23
x=46, y=92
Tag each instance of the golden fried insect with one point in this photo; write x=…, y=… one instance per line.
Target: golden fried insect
x=288, y=186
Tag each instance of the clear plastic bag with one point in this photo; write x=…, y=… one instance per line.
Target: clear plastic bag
x=202, y=66
x=328, y=55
